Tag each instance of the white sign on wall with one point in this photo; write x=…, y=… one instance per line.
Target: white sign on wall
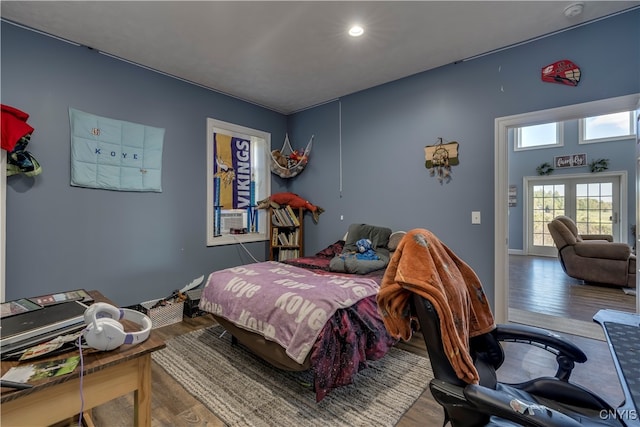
x=570, y=161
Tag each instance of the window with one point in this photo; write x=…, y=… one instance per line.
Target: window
x=238, y=176
x=545, y=135
x=607, y=127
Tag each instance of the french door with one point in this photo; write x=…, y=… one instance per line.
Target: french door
x=592, y=200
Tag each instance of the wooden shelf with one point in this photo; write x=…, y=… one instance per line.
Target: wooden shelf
x=286, y=238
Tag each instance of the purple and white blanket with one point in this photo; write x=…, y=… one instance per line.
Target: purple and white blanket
x=283, y=303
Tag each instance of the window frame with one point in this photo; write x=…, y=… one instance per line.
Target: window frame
x=262, y=181
x=517, y=137
x=582, y=130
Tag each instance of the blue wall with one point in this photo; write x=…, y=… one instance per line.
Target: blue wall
x=385, y=129
x=621, y=155
x=132, y=247
x=135, y=247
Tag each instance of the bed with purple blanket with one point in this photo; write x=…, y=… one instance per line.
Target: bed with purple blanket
x=300, y=315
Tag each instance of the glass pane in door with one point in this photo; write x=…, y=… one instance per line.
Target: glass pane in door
x=594, y=208
x=548, y=202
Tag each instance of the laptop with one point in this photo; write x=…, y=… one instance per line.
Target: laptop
x=25, y=330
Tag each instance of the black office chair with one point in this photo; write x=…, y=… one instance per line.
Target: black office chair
x=547, y=401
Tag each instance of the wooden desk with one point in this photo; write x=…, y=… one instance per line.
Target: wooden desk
x=106, y=376
x=622, y=331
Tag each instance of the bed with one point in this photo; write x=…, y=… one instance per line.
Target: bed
x=302, y=314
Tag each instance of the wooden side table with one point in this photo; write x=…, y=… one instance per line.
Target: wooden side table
x=105, y=376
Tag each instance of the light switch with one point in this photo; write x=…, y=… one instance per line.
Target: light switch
x=475, y=217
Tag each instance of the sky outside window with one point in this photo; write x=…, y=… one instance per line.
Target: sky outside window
x=608, y=126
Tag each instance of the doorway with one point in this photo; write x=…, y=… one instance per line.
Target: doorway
x=501, y=199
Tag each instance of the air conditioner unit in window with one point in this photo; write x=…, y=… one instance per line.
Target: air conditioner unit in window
x=232, y=218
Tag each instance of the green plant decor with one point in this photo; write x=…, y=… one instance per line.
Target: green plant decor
x=599, y=165
x=544, y=169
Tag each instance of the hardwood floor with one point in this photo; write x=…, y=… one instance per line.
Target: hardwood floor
x=539, y=285
x=536, y=284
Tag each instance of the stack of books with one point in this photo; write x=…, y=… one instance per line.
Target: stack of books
x=285, y=217
x=286, y=254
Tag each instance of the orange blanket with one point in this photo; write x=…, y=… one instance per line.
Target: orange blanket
x=422, y=264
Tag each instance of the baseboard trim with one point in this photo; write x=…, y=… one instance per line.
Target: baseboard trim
x=558, y=324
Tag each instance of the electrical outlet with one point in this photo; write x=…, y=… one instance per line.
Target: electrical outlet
x=341, y=217
x=475, y=217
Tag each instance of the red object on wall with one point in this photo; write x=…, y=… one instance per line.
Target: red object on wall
x=14, y=126
x=565, y=72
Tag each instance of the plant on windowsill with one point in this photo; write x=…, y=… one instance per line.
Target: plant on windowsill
x=599, y=165
x=544, y=169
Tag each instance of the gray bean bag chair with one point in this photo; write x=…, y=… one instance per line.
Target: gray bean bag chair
x=348, y=262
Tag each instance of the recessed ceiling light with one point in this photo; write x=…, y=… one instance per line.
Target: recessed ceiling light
x=356, y=31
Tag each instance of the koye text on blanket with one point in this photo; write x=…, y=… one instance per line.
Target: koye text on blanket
x=134, y=156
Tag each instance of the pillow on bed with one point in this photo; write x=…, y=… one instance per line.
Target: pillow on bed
x=394, y=240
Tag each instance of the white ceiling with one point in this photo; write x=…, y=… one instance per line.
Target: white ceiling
x=292, y=55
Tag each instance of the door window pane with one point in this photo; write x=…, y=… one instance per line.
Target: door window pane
x=594, y=208
x=548, y=202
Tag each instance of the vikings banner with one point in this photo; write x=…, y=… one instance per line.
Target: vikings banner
x=232, y=168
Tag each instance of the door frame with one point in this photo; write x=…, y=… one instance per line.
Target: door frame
x=501, y=180
x=622, y=204
x=3, y=222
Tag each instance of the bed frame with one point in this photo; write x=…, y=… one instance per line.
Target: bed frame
x=270, y=351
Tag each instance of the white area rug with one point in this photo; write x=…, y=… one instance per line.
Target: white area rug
x=243, y=390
